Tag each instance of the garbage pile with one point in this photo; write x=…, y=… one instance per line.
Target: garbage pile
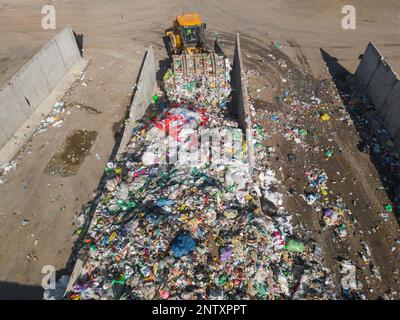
x=172, y=227
x=200, y=88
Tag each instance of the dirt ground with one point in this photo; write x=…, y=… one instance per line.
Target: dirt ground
x=115, y=37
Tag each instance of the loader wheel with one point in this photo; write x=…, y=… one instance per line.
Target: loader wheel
x=171, y=42
x=168, y=45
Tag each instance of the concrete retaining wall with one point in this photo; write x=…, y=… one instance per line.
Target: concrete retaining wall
x=382, y=86
x=240, y=99
x=142, y=97
x=368, y=65
x=30, y=86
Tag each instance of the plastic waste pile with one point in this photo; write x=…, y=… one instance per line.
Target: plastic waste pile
x=202, y=88
x=191, y=229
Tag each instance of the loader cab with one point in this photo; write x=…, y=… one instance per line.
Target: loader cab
x=188, y=33
x=191, y=35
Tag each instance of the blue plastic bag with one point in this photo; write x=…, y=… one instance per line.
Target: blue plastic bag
x=182, y=245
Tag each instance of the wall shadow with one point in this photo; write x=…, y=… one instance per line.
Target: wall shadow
x=163, y=66
x=79, y=42
x=363, y=114
x=16, y=291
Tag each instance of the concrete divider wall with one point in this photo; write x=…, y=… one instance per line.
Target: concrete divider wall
x=142, y=98
x=368, y=65
x=382, y=86
x=240, y=99
x=30, y=86
x=14, y=110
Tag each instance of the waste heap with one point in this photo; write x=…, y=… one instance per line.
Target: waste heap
x=190, y=229
x=204, y=87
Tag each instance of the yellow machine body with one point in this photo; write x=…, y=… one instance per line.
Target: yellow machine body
x=186, y=34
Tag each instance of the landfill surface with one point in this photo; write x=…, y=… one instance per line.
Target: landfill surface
x=40, y=211
x=195, y=230
x=300, y=225
x=338, y=167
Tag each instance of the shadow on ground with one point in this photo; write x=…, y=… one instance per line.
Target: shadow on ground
x=15, y=291
x=361, y=116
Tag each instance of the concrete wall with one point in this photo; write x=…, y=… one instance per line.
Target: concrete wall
x=368, y=65
x=240, y=99
x=30, y=86
x=382, y=86
x=142, y=97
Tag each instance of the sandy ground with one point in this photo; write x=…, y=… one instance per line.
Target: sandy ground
x=116, y=35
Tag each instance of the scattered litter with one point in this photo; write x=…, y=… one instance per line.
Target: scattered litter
x=54, y=119
x=350, y=286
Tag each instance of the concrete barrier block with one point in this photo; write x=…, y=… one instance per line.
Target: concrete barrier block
x=152, y=68
x=240, y=104
x=368, y=65
x=52, y=64
x=391, y=118
x=14, y=110
x=33, y=83
x=381, y=84
x=68, y=47
x=142, y=98
x=240, y=100
x=11, y=94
